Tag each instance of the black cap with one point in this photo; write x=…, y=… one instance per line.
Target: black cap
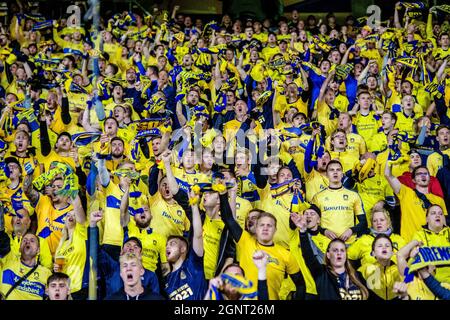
x=13, y=160
x=316, y=209
x=139, y=243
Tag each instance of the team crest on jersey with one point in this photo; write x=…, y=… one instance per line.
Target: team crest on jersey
x=345, y=197
x=182, y=275
x=352, y=140
x=179, y=213
x=36, y=275
x=154, y=242
x=379, y=183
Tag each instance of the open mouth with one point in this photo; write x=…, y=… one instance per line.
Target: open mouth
x=129, y=276
x=57, y=296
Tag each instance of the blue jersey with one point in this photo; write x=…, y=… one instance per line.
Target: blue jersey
x=188, y=282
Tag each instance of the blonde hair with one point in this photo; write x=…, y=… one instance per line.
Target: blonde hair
x=128, y=256
x=387, y=216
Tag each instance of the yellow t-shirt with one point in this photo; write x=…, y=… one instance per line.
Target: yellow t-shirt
x=168, y=218
x=212, y=231
x=413, y=212
x=434, y=162
x=346, y=158
x=280, y=262
x=243, y=207
x=12, y=269
x=153, y=245
x=372, y=190
x=75, y=256
x=406, y=123
x=314, y=183
x=367, y=126
x=280, y=207
x=51, y=221
x=323, y=116
x=381, y=279
x=113, y=232
x=340, y=209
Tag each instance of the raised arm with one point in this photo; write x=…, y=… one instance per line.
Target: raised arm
x=311, y=261
x=228, y=219
x=197, y=239
x=393, y=181
x=30, y=192
x=403, y=255
x=260, y=259
x=173, y=185
x=124, y=215
x=103, y=173
x=179, y=110
x=80, y=216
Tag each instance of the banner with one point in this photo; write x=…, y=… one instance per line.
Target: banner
x=430, y=256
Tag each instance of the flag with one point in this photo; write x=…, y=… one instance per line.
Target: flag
x=149, y=123
x=411, y=62
x=155, y=132
x=42, y=25
x=413, y=5
x=85, y=138
x=342, y=71
x=445, y=8
x=221, y=102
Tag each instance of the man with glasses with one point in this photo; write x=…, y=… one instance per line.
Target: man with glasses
x=413, y=202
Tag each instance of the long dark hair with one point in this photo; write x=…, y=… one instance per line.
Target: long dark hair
x=348, y=269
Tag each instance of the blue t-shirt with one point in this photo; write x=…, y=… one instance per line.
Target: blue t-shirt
x=188, y=282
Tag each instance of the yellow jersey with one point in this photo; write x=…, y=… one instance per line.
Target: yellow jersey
x=346, y=158
x=212, y=232
x=366, y=126
x=372, y=190
x=413, y=212
x=243, y=207
x=50, y=221
x=168, y=218
x=323, y=116
x=12, y=269
x=153, y=245
x=435, y=162
x=280, y=262
x=113, y=232
x=406, y=123
x=380, y=279
x=74, y=253
x=340, y=209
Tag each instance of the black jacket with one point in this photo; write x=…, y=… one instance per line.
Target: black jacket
x=146, y=295
x=326, y=283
